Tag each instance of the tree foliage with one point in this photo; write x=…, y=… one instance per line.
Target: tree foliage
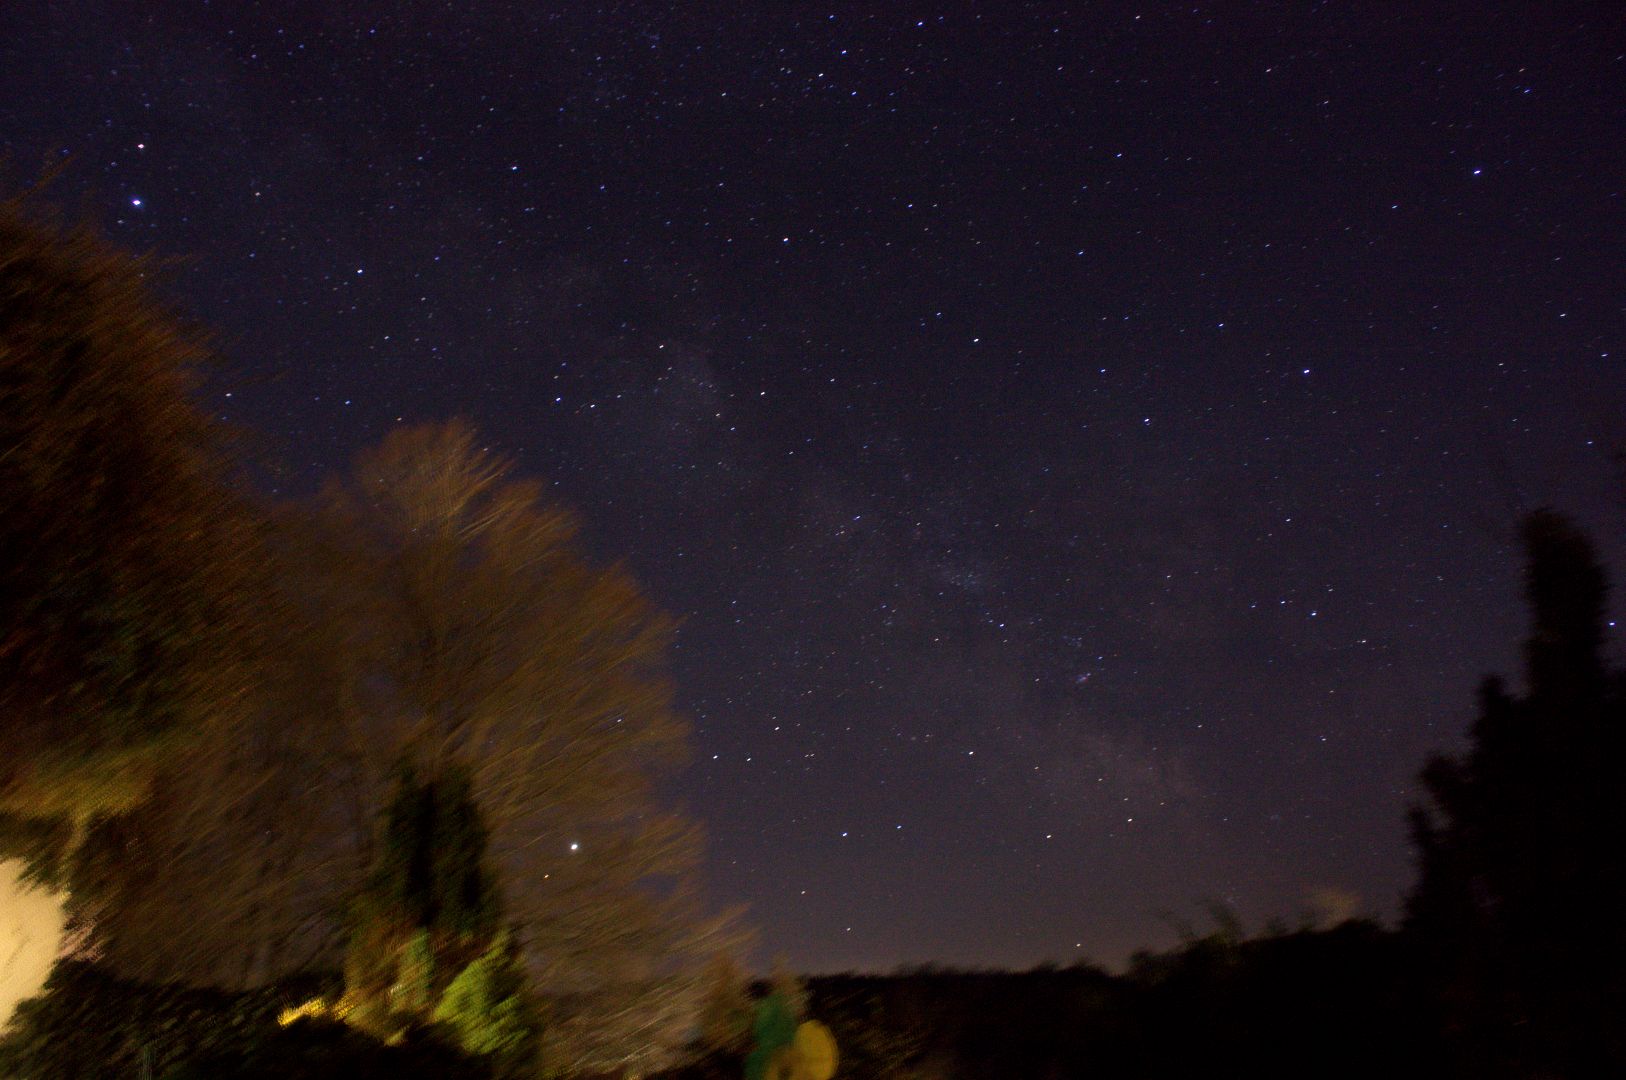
x=434, y=610
x=126, y=552
x=490, y=1010
x=425, y=946
x=1522, y=849
x=430, y=906
x=90, y=1023
x=233, y=869
x=478, y=634
x=726, y=1009
x=431, y=871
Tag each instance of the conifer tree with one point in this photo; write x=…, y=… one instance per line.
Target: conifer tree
x=430, y=906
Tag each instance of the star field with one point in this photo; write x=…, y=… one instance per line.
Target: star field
x=1082, y=444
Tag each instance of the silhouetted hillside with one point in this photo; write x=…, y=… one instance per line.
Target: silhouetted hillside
x=1329, y=1003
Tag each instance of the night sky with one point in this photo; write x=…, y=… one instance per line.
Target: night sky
x=1082, y=442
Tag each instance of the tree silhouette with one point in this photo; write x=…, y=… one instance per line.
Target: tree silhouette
x=426, y=945
x=1522, y=852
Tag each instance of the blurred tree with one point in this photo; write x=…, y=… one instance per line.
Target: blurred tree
x=425, y=944
x=430, y=608
x=490, y=1012
x=231, y=872
x=726, y=1010
x=126, y=552
x=475, y=633
x=429, y=907
x=1522, y=850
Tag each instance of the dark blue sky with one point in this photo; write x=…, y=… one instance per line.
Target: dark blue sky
x=1082, y=442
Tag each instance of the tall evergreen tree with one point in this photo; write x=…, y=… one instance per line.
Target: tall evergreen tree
x=1522, y=852
x=430, y=906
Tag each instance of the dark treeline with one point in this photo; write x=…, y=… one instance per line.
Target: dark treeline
x=1340, y=1002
